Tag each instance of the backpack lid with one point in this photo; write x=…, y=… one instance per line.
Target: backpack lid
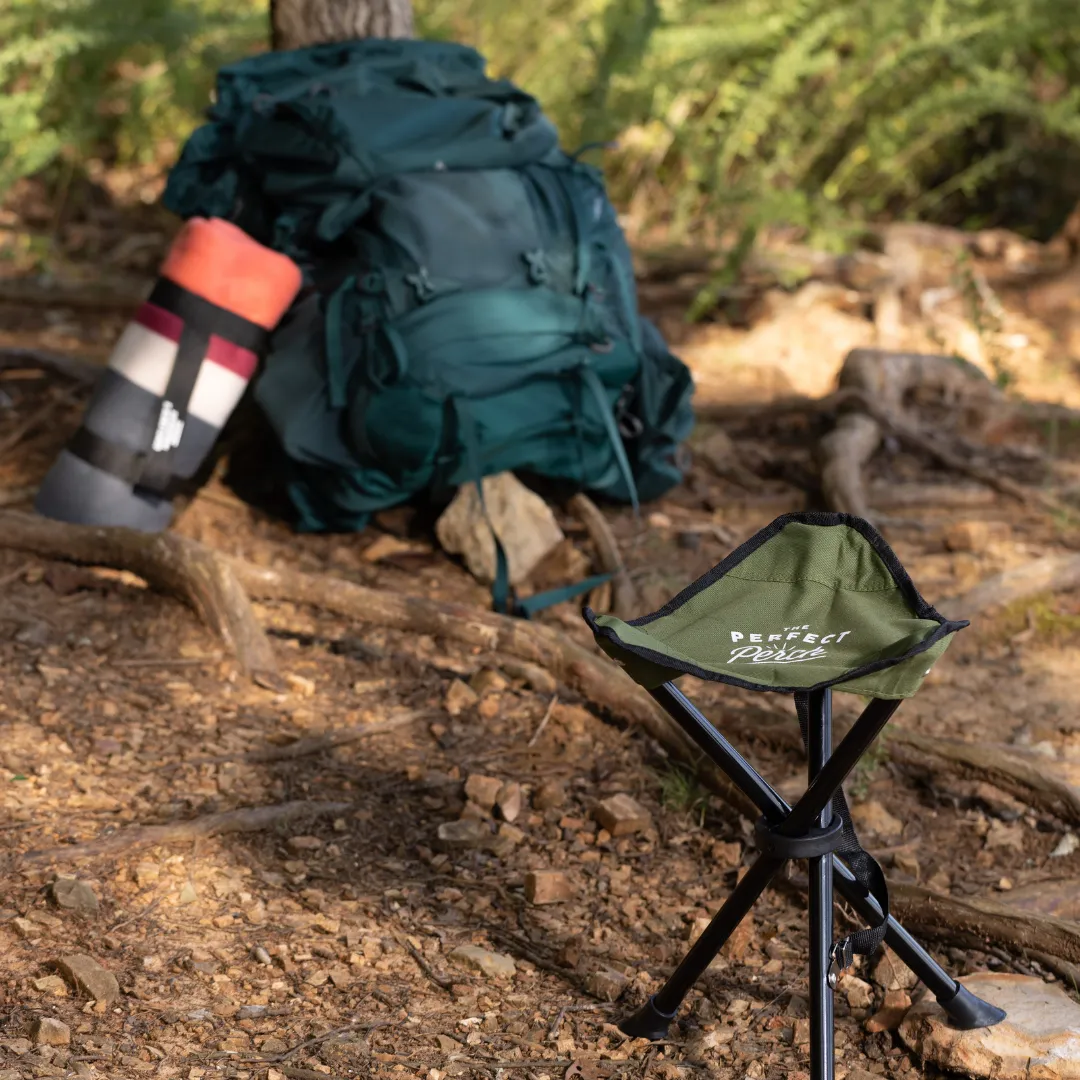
x=813, y=600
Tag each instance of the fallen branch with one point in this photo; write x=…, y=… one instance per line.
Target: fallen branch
x=72, y=367
x=1031, y=779
x=1027, y=776
x=125, y=297
x=1052, y=573
x=625, y=603
x=319, y=744
x=978, y=921
x=172, y=564
x=877, y=382
x=249, y=819
x=584, y=671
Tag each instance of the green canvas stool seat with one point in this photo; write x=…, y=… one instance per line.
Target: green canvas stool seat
x=813, y=603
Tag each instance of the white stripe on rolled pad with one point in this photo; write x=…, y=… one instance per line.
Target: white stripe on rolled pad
x=146, y=359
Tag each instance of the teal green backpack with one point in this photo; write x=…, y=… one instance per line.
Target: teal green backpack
x=470, y=305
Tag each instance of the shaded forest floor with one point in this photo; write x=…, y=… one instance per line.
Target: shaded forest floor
x=323, y=946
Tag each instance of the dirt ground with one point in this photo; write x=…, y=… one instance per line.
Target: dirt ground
x=323, y=947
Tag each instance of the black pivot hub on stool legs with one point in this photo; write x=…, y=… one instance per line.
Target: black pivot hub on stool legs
x=808, y=830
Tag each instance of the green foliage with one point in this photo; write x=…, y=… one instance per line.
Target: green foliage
x=95, y=77
x=819, y=114
x=681, y=791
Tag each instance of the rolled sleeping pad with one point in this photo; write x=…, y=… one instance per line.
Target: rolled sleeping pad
x=176, y=374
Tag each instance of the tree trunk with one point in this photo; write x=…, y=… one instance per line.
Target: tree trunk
x=296, y=24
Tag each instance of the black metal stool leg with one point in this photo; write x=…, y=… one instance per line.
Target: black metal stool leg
x=821, y=903
x=651, y=1021
x=964, y=1009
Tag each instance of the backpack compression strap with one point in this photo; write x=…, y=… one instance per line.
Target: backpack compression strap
x=865, y=867
x=503, y=600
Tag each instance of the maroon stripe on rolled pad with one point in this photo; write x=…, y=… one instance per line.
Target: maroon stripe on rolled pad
x=237, y=359
x=160, y=321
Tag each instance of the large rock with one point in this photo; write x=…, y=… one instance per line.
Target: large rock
x=522, y=520
x=1039, y=1039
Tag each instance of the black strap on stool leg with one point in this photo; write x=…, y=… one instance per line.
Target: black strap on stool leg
x=965, y=1010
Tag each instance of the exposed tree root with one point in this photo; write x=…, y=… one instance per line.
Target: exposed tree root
x=878, y=382
x=978, y=922
x=625, y=603
x=1029, y=777
x=1052, y=573
x=199, y=577
x=250, y=819
x=72, y=367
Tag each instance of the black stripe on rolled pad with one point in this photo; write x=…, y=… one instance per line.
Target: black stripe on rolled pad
x=195, y=311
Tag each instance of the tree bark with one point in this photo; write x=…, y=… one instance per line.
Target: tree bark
x=298, y=24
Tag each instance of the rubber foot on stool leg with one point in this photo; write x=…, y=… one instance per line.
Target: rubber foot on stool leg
x=647, y=1023
x=966, y=1011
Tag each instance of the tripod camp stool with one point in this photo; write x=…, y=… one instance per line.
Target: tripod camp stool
x=813, y=603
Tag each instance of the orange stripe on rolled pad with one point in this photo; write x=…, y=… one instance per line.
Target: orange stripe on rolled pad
x=219, y=262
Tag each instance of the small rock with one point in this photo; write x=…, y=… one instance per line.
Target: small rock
x=1065, y=846
x=659, y=521
x=274, y=1046
x=448, y=1045
x=892, y=1012
x=726, y=854
x=90, y=977
x=460, y=697
x=74, y=895
x=510, y=834
x=508, y=801
x=548, y=796
x=859, y=994
x=188, y=895
x=152, y=964
x=50, y=1032
x=483, y=790
x=872, y=817
x=1001, y=835
x=967, y=536
x=1040, y=1036
x=891, y=973
x=494, y=965
x=146, y=874
x=301, y=685
x=51, y=984
x=474, y=812
x=622, y=816
x=25, y=928
x=303, y=843
x=607, y=985
x=524, y=523
x=548, y=887
x=464, y=835
x=341, y=977
x=738, y=945
x=261, y=956
x=488, y=681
